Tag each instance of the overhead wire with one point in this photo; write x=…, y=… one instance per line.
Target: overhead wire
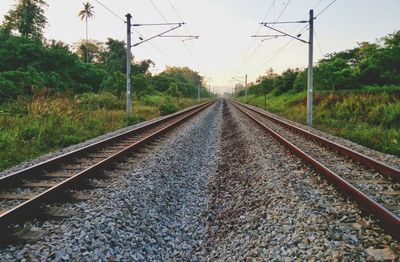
x=304, y=28
x=259, y=45
x=166, y=20
x=111, y=11
x=136, y=31
x=322, y=54
x=186, y=29
x=323, y=10
x=258, y=30
x=278, y=51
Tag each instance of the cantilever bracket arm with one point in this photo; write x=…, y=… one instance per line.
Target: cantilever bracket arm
x=294, y=37
x=160, y=34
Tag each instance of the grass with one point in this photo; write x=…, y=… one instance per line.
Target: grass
x=369, y=118
x=33, y=127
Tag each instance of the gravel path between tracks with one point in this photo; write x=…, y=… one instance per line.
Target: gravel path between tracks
x=263, y=208
x=216, y=189
x=152, y=212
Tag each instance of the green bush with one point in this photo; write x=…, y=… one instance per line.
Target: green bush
x=167, y=109
x=101, y=100
x=156, y=100
x=134, y=120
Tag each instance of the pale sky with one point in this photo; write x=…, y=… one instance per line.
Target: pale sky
x=225, y=48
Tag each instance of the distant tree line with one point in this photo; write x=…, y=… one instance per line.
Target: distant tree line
x=367, y=64
x=30, y=64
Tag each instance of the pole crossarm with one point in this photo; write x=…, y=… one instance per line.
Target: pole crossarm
x=238, y=79
x=191, y=36
x=156, y=24
x=158, y=35
x=289, y=22
x=266, y=35
x=286, y=34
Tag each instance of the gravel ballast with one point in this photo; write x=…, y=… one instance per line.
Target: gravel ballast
x=265, y=204
x=152, y=212
x=217, y=188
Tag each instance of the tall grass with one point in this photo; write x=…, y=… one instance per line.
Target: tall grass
x=370, y=118
x=32, y=127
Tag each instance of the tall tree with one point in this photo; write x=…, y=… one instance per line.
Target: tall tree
x=86, y=13
x=27, y=17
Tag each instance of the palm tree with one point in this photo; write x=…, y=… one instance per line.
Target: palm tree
x=85, y=13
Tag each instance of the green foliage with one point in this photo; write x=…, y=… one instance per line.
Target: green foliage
x=134, y=120
x=104, y=100
x=368, y=118
x=367, y=64
x=173, y=90
x=30, y=127
x=166, y=109
x=27, y=17
x=115, y=84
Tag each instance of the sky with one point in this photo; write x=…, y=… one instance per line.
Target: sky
x=225, y=48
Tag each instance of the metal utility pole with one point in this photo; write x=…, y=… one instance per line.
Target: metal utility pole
x=239, y=78
x=310, y=78
x=245, y=89
x=310, y=81
x=198, y=93
x=128, y=67
x=129, y=54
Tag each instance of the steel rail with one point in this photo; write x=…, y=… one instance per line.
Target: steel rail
x=53, y=162
x=30, y=207
x=389, y=221
x=384, y=169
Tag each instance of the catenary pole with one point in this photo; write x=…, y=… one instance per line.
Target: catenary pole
x=198, y=92
x=310, y=80
x=128, y=67
x=245, y=89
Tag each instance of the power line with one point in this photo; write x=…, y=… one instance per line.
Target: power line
x=111, y=11
x=323, y=10
x=158, y=10
x=269, y=58
x=162, y=53
x=179, y=16
x=258, y=30
x=254, y=52
x=116, y=15
x=317, y=4
x=120, y=18
x=187, y=30
x=322, y=54
x=165, y=19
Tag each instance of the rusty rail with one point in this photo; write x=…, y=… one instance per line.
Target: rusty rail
x=389, y=221
x=382, y=168
x=31, y=207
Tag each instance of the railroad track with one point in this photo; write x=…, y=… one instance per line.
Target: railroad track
x=23, y=193
x=372, y=184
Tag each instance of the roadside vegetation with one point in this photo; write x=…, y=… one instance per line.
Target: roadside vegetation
x=53, y=95
x=357, y=94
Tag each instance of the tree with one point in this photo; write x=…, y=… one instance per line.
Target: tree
x=114, y=58
x=27, y=18
x=85, y=13
x=173, y=90
x=92, y=50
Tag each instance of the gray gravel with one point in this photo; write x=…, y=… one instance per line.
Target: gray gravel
x=266, y=205
x=215, y=189
x=385, y=158
x=76, y=146
x=384, y=191
x=153, y=212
